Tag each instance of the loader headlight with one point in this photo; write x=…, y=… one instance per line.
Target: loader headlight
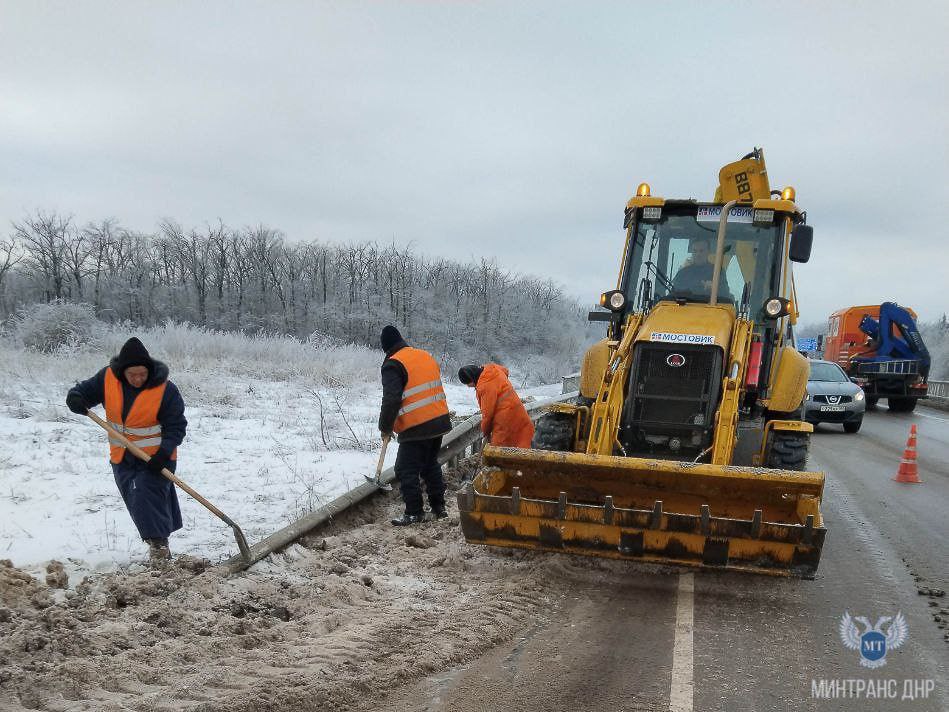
x=859, y=397
x=614, y=301
x=776, y=307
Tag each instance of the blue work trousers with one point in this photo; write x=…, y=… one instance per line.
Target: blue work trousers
x=151, y=499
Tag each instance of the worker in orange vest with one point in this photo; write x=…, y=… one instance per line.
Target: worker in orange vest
x=414, y=407
x=142, y=404
x=504, y=419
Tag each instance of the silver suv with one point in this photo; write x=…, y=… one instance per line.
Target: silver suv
x=833, y=398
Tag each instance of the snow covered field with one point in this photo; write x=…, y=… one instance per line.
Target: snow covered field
x=276, y=428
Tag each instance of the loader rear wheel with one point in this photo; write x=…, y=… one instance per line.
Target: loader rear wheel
x=553, y=431
x=787, y=450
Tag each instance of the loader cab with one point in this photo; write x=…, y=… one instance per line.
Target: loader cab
x=665, y=261
x=672, y=250
x=674, y=389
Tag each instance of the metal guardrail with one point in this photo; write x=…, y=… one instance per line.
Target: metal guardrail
x=467, y=438
x=938, y=390
x=464, y=438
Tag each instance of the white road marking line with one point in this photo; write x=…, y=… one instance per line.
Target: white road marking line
x=931, y=417
x=681, y=693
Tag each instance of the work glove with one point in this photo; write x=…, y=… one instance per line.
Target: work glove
x=158, y=462
x=77, y=403
x=385, y=434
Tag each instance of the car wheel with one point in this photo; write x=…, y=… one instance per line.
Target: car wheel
x=872, y=402
x=853, y=426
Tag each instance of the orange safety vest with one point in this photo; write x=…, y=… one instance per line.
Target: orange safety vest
x=423, y=397
x=141, y=425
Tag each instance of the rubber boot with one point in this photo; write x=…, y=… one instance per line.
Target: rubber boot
x=158, y=549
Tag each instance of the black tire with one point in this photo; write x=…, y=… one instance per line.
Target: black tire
x=853, y=426
x=901, y=405
x=787, y=450
x=872, y=402
x=553, y=431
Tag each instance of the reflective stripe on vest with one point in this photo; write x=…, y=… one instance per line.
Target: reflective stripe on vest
x=424, y=387
x=419, y=404
x=147, y=442
x=153, y=430
x=423, y=397
x=141, y=425
x=503, y=396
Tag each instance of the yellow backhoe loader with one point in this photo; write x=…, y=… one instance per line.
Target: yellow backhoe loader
x=686, y=445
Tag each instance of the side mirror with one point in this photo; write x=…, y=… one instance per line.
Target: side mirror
x=802, y=238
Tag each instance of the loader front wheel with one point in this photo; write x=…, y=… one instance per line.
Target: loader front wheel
x=553, y=431
x=787, y=450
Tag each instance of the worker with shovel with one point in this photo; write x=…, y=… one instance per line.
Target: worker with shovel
x=414, y=407
x=504, y=419
x=144, y=406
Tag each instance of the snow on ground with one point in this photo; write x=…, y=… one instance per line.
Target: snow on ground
x=264, y=448
x=334, y=622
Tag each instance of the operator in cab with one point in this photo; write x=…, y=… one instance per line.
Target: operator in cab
x=694, y=278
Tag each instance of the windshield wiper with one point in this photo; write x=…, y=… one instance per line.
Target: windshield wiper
x=660, y=275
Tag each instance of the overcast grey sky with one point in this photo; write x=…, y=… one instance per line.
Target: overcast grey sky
x=514, y=130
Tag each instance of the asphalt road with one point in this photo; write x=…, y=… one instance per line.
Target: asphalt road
x=630, y=637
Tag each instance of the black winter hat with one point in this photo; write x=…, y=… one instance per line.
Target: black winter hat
x=134, y=353
x=469, y=374
x=390, y=337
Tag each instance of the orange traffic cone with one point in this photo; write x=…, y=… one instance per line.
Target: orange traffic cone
x=908, y=472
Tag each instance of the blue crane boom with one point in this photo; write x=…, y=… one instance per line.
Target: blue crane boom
x=895, y=336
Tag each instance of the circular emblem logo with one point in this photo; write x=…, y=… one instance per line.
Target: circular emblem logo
x=675, y=360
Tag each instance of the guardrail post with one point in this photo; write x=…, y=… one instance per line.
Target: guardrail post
x=938, y=390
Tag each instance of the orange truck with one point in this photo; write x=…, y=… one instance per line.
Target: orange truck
x=880, y=348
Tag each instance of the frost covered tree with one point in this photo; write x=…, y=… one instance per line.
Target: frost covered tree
x=254, y=280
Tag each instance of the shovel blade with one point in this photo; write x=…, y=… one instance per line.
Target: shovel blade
x=242, y=544
x=385, y=487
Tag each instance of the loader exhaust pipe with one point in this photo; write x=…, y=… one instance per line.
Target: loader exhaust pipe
x=720, y=251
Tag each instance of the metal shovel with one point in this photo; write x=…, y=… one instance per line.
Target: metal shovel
x=142, y=455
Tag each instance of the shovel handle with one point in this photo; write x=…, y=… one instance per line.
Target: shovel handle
x=145, y=457
x=382, y=455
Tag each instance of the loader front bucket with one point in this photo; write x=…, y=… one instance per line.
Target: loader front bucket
x=746, y=518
